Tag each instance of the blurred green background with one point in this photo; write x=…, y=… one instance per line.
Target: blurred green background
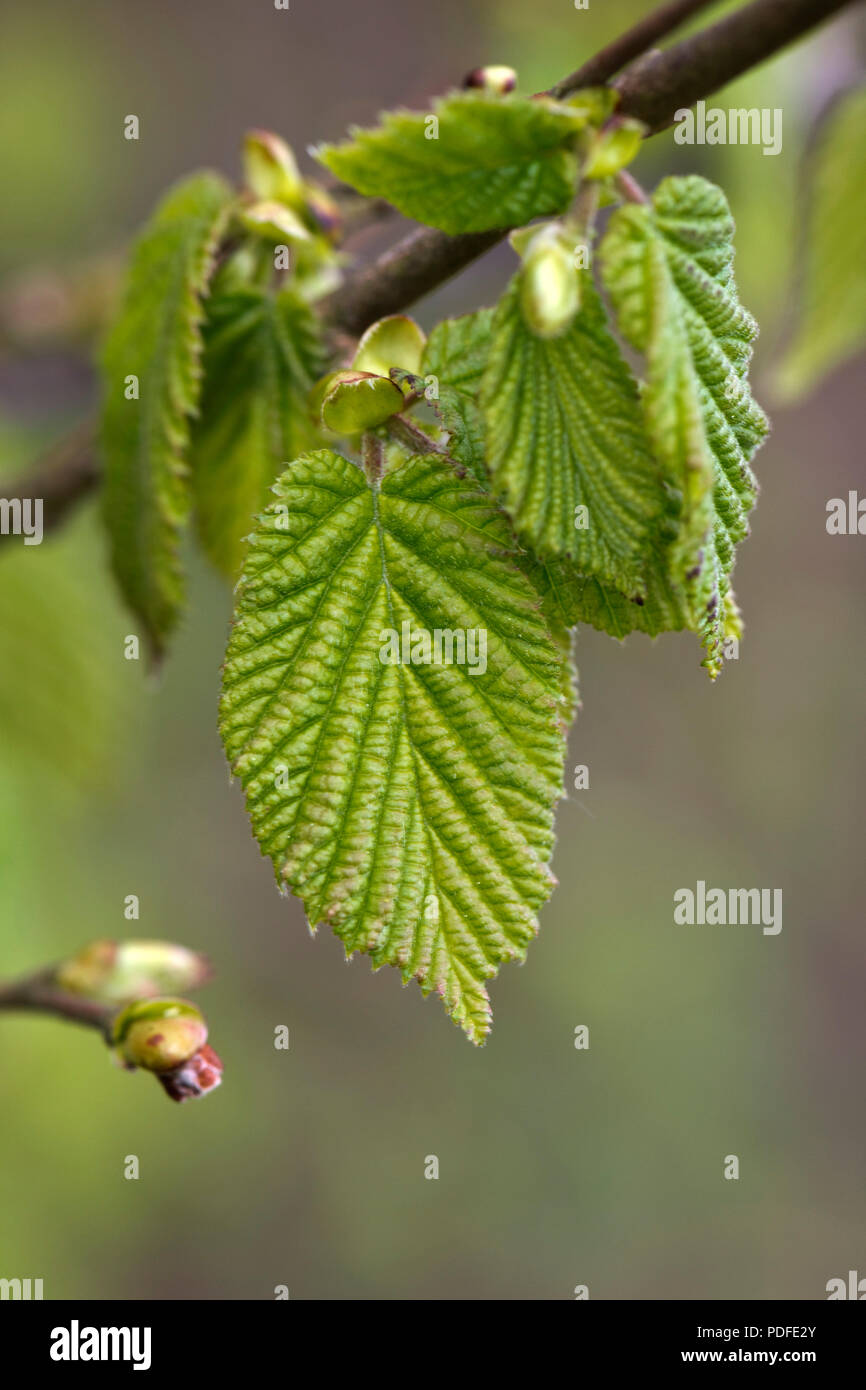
x=558, y=1167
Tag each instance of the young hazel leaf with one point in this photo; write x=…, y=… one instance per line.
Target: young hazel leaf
x=833, y=324
x=453, y=363
x=407, y=801
x=580, y=599
x=152, y=376
x=262, y=356
x=479, y=162
x=456, y=355
x=668, y=266
x=566, y=444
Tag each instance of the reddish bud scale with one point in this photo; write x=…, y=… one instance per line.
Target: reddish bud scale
x=200, y=1073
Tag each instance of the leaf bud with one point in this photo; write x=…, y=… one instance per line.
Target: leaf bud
x=159, y=1034
x=323, y=211
x=273, y=220
x=351, y=402
x=594, y=104
x=200, y=1073
x=549, y=285
x=395, y=341
x=270, y=171
x=117, y=971
x=614, y=147
x=496, y=79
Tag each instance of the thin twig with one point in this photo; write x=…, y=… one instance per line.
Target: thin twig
x=41, y=994
x=699, y=66
x=656, y=89
x=643, y=35
x=630, y=188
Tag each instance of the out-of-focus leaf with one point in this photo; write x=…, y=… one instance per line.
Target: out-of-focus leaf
x=262, y=355
x=832, y=322
x=157, y=340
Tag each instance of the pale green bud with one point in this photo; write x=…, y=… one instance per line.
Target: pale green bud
x=115, y=971
x=549, y=285
x=270, y=171
x=595, y=104
x=396, y=341
x=273, y=221
x=614, y=148
x=159, y=1034
x=357, y=401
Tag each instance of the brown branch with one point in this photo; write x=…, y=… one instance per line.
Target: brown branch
x=653, y=90
x=701, y=65
x=422, y=261
x=657, y=88
x=39, y=993
x=629, y=46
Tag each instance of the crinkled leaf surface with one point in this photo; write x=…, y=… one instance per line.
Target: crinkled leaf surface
x=492, y=161
x=410, y=805
x=455, y=354
x=833, y=321
x=668, y=266
x=564, y=430
x=262, y=355
x=157, y=338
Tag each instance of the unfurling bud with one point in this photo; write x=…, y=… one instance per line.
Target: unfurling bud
x=201, y=1073
x=497, y=80
x=595, y=104
x=614, y=147
x=323, y=211
x=116, y=971
x=395, y=341
x=351, y=402
x=270, y=170
x=272, y=179
x=273, y=221
x=159, y=1034
x=549, y=285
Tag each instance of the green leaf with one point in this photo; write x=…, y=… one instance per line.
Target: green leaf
x=410, y=805
x=395, y=341
x=262, y=355
x=668, y=266
x=455, y=355
x=614, y=148
x=359, y=401
x=489, y=162
x=564, y=431
x=661, y=608
x=157, y=339
x=833, y=322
